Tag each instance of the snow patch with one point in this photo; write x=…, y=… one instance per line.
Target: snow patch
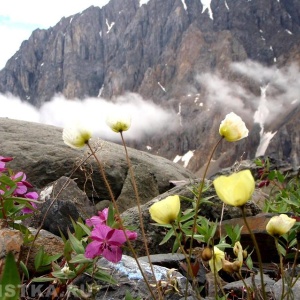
x=162, y=87
x=260, y=116
x=206, y=6
x=184, y=5
x=143, y=2
x=149, y=148
x=185, y=158
x=179, y=114
x=289, y=32
x=226, y=5
x=100, y=91
x=109, y=26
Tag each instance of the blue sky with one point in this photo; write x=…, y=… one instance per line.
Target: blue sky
x=18, y=18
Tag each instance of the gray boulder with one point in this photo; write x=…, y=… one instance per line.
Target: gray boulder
x=39, y=151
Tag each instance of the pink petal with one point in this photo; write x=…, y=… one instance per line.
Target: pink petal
x=93, y=249
x=116, y=237
x=113, y=254
x=32, y=195
x=132, y=235
x=100, y=232
x=5, y=159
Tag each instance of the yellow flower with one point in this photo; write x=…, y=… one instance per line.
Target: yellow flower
x=166, y=210
x=216, y=262
x=76, y=136
x=232, y=128
x=238, y=252
x=118, y=122
x=235, y=189
x=279, y=225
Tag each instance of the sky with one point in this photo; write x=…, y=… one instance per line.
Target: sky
x=19, y=18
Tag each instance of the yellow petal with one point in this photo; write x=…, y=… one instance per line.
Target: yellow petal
x=235, y=189
x=166, y=210
x=76, y=136
x=119, y=122
x=232, y=128
x=215, y=263
x=279, y=225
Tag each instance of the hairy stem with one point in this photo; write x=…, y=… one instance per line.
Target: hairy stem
x=138, y=201
x=257, y=252
x=120, y=219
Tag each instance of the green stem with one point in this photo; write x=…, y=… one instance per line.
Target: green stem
x=187, y=258
x=120, y=219
x=257, y=252
x=280, y=264
x=199, y=197
x=135, y=189
x=249, y=296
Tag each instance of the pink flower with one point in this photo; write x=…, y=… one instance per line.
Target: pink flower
x=30, y=195
x=132, y=235
x=106, y=242
x=22, y=184
x=98, y=220
x=3, y=160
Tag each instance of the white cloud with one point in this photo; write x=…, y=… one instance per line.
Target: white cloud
x=147, y=117
x=282, y=93
x=13, y=108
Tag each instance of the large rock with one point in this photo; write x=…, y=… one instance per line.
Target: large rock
x=61, y=202
x=159, y=50
x=39, y=151
x=130, y=279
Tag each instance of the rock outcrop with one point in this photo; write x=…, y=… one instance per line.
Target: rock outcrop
x=159, y=50
x=39, y=151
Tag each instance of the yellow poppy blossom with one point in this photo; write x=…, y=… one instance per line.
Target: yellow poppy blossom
x=232, y=128
x=216, y=262
x=166, y=210
x=279, y=225
x=119, y=122
x=76, y=136
x=235, y=189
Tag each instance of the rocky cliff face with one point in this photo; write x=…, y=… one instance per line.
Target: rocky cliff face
x=162, y=50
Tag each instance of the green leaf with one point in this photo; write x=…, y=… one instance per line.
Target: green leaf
x=84, y=228
x=187, y=216
x=39, y=258
x=24, y=269
x=101, y=275
x=42, y=279
x=249, y=262
x=167, y=236
x=76, y=245
x=10, y=281
x=62, y=275
x=129, y=297
x=48, y=259
x=80, y=258
x=111, y=216
x=7, y=181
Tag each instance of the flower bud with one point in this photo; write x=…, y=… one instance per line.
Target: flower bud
x=206, y=254
x=231, y=267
